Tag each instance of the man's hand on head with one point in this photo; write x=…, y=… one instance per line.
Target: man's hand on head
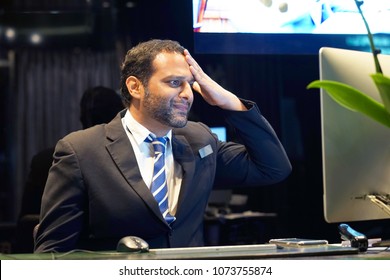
x=211, y=91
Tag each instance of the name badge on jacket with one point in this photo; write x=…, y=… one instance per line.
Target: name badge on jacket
x=205, y=151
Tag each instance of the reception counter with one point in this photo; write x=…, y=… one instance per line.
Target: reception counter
x=264, y=251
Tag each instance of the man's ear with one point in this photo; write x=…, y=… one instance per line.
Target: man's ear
x=134, y=86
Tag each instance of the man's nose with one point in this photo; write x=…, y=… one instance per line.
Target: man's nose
x=187, y=91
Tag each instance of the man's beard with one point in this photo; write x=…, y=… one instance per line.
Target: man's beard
x=157, y=108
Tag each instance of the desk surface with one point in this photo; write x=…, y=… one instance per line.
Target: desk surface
x=257, y=252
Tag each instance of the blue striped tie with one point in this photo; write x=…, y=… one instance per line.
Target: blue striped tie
x=159, y=187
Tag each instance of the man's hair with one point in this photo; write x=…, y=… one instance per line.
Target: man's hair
x=138, y=62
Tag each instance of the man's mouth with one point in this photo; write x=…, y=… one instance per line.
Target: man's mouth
x=182, y=107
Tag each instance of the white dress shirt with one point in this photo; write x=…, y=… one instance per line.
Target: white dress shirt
x=145, y=158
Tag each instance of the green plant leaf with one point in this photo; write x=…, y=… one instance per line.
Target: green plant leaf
x=354, y=100
x=383, y=84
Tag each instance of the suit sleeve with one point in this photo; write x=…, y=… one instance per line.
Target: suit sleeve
x=259, y=159
x=62, y=210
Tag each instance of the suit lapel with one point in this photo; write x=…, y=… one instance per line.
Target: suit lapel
x=183, y=154
x=123, y=155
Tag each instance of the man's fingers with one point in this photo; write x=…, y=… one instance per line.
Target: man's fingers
x=196, y=87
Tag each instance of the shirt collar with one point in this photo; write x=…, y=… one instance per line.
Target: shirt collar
x=138, y=131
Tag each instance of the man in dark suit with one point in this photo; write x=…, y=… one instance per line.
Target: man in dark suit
x=98, y=189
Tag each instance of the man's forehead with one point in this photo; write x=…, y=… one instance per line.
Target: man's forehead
x=171, y=64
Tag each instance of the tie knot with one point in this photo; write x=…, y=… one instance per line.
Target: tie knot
x=159, y=143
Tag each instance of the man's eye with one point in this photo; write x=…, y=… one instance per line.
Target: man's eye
x=175, y=83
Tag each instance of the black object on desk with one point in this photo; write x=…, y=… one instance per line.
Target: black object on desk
x=132, y=244
x=357, y=239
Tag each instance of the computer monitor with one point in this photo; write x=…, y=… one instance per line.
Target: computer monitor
x=220, y=131
x=355, y=148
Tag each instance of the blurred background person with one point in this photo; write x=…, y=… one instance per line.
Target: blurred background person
x=98, y=105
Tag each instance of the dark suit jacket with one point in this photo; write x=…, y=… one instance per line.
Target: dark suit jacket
x=95, y=194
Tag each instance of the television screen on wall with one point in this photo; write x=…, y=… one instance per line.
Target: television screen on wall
x=288, y=26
